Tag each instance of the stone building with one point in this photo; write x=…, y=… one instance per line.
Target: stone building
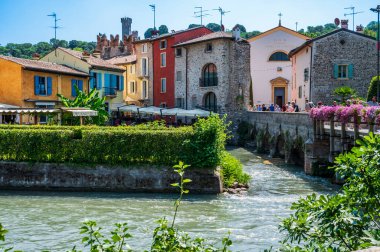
x=213, y=72
x=339, y=58
x=270, y=66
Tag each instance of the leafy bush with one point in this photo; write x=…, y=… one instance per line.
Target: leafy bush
x=346, y=221
x=372, y=90
x=232, y=170
x=344, y=93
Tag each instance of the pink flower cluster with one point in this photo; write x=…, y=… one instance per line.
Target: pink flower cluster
x=353, y=113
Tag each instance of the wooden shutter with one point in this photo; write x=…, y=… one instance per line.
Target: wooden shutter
x=49, y=86
x=37, y=85
x=100, y=81
x=73, y=91
x=92, y=80
x=350, y=71
x=121, y=83
x=80, y=85
x=107, y=80
x=335, y=71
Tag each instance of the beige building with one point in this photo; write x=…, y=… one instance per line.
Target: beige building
x=107, y=78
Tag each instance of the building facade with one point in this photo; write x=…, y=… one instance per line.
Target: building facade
x=339, y=58
x=271, y=69
x=107, y=78
x=212, y=72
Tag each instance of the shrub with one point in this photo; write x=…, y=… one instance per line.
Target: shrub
x=232, y=170
x=372, y=90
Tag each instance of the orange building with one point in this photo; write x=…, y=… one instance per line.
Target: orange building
x=35, y=84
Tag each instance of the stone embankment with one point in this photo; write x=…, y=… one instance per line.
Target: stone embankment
x=72, y=177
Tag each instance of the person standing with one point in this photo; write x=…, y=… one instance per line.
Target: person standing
x=373, y=102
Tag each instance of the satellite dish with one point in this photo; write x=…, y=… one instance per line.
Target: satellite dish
x=337, y=21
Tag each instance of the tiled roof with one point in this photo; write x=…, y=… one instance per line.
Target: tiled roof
x=208, y=37
x=92, y=60
x=170, y=34
x=120, y=60
x=43, y=66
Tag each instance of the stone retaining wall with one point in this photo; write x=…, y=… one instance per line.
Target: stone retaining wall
x=71, y=177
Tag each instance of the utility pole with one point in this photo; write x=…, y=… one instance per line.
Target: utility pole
x=222, y=13
x=153, y=6
x=296, y=26
x=200, y=13
x=55, y=27
x=353, y=13
x=377, y=10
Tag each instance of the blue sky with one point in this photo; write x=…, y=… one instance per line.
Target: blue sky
x=27, y=21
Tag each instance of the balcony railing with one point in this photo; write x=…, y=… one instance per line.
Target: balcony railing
x=208, y=82
x=110, y=91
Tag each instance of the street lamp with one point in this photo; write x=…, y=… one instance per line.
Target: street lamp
x=378, y=47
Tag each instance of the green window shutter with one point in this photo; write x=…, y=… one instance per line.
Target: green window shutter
x=49, y=86
x=336, y=70
x=350, y=71
x=36, y=85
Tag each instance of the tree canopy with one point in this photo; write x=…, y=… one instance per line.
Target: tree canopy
x=213, y=27
x=241, y=27
x=193, y=26
x=163, y=29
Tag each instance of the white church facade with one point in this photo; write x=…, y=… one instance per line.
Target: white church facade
x=271, y=69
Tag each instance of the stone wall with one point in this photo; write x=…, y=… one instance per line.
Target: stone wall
x=70, y=177
x=343, y=47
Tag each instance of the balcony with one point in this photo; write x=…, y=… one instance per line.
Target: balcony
x=208, y=82
x=110, y=92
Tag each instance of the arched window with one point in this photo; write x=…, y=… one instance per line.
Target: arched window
x=279, y=56
x=209, y=76
x=210, y=102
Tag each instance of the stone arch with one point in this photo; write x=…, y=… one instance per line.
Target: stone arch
x=209, y=75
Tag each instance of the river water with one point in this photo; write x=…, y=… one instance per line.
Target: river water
x=50, y=220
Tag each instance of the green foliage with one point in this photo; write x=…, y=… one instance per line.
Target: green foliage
x=372, y=91
x=92, y=101
x=319, y=30
x=241, y=27
x=148, y=33
x=193, y=26
x=232, y=170
x=346, y=221
x=214, y=27
x=163, y=29
x=344, y=93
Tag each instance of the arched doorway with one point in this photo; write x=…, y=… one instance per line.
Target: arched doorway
x=209, y=102
x=209, y=76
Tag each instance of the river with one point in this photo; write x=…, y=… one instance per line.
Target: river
x=50, y=220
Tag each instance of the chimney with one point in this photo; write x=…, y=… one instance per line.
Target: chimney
x=359, y=29
x=96, y=54
x=85, y=55
x=236, y=33
x=344, y=23
x=35, y=56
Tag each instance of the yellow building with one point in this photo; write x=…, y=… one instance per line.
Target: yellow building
x=107, y=78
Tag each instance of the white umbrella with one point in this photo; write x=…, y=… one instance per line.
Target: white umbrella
x=129, y=108
x=150, y=110
x=196, y=112
x=173, y=111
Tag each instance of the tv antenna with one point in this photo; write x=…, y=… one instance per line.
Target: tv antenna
x=296, y=26
x=200, y=13
x=222, y=13
x=353, y=13
x=55, y=27
x=153, y=6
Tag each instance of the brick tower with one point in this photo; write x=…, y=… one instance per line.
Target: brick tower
x=126, y=26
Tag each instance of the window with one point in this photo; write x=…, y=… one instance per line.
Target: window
x=180, y=102
x=74, y=84
x=94, y=80
x=131, y=69
x=132, y=87
x=306, y=75
x=178, y=52
x=163, y=59
x=300, y=92
x=144, y=48
x=144, y=67
x=42, y=85
x=208, y=47
x=210, y=102
x=163, y=105
x=209, y=76
x=279, y=56
x=342, y=71
x=163, y=85
x=163, y=44
x=144, y=89
x=179, y=76
x=44, y=117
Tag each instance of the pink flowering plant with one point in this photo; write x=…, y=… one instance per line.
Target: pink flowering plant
x=370, y=114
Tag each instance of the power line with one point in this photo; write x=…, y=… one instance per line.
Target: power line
x=199, y=14
x=353, y=13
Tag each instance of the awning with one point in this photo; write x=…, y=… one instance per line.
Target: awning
x=28, y=111
x=129, y=108
x=151, y=110
x=173, y=111
x=196, y=112
x=6, y=106
x=84, y=112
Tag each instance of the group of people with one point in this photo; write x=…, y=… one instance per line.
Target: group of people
x=289, y=107
x=372, y=102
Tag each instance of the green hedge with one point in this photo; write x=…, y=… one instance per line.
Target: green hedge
x=200, y=146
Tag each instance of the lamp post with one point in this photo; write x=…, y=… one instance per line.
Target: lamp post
x=377, y=9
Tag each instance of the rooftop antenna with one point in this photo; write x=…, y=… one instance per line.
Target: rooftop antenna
x=279, y=21
x=222, y=13
x=55, y=27
x=296, y=26
x=199, y=14
x=153, y=6
x=353, y=13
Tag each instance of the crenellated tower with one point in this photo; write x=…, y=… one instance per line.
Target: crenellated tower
x=126, y=24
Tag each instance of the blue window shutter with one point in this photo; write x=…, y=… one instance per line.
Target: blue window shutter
x=107, y=80
x=92, y=80
x=350, y=71
x=113, y=81
x=80, y=85
x=121, y=83
x=49, y=86
x=73, y=91
x=36, y=85
x=99, y=86
x=336, y=70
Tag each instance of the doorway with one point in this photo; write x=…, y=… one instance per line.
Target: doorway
x=279, y=96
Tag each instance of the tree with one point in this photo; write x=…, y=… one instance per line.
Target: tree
x=346, y=221
x=148, y=33
x=213, y=27
x=372, y=91
x=193, y=26
x=344, y=93
x=241, y=27
x=250, y=34
x=163, y=29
